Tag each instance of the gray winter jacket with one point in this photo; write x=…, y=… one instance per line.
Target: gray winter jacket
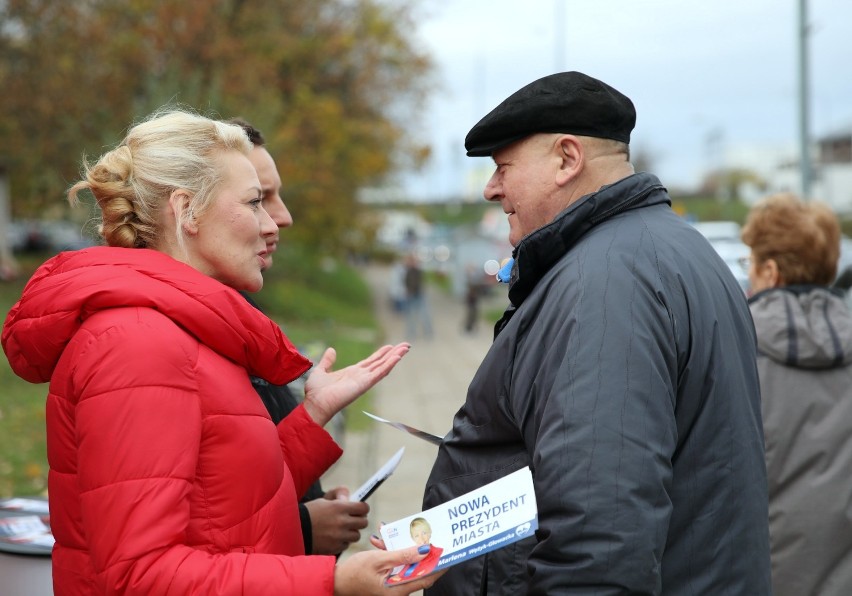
x=804, y=338
x=624, y=375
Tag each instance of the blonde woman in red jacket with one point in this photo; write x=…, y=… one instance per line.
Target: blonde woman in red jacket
x=160, y=451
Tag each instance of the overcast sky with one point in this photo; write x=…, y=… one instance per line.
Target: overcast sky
x=696, y=70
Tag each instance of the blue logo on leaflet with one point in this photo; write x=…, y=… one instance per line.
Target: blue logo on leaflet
x=523, y=529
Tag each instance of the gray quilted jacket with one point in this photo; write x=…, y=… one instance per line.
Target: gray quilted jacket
x=804, y=338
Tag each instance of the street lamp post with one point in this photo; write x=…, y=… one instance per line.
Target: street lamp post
x=804, y=125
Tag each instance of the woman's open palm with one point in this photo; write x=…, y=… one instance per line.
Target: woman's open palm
x=328, y=391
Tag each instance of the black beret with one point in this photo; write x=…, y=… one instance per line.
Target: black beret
x=566, y=102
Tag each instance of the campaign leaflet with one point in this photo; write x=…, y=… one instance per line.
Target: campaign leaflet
x=29, y=530
x=25, y=526
x=36, y=506
x=485, y=519
x=420, y=434
x=375, y=481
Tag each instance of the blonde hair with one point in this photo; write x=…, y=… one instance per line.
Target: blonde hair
x=802, y=238
x=419, y=521
x=171, y=149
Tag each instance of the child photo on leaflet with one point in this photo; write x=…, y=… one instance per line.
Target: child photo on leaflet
x=421, y=533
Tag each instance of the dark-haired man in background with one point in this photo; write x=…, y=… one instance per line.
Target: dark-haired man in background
x=330, y=522
x=622, y=373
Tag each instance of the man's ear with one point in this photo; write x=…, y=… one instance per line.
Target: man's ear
x=179, y=202
x=572, y=156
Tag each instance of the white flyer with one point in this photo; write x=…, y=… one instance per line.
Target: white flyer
x=367, y=489
x=420, y=434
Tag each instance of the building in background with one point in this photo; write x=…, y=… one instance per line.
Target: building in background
x=832, y=165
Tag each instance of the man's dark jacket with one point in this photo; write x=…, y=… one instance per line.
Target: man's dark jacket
x=624, y=375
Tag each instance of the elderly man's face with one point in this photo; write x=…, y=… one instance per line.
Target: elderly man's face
x=524, y=183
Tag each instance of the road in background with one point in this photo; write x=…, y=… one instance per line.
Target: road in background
x=424, y=391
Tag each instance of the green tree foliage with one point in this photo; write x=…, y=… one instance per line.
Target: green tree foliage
x=333, y=84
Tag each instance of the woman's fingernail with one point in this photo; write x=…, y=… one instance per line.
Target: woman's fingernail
x=423, y=549
x=374, y=537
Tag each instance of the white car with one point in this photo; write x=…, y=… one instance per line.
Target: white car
x=735, y=254
x=719, y=231
x=724, y=236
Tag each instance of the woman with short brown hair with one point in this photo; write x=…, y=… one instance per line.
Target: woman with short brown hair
x=804, y=336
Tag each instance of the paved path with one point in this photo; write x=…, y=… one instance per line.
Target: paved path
x=425, y=390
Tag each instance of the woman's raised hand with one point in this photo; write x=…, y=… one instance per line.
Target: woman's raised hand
x=327, y=391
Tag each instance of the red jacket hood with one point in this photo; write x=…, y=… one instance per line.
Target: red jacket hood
x=72, y=286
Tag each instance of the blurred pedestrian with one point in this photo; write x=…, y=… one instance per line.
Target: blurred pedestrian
x=166, y=473
x=474, y=288
x=396, y=286
x=330, y=521
x=623, y=372
x=804, y=340
x=417, y=314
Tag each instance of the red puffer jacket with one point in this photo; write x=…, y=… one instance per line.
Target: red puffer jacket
x=167, y=475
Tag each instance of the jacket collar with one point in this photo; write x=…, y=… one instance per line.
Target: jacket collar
x=536, y=253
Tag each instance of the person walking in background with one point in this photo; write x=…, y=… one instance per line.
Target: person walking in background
x=804, y=340
x=166, y=472
x=622, y=373
x=330, y=521
x=417, y=313
x=396, y=286
x=474, y=288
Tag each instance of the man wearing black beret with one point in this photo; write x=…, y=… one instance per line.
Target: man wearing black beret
x=622, y=373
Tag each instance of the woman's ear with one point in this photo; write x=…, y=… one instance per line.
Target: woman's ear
x=572, y=156
x=774, y=273
x=769, y=274
x=179, y=203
